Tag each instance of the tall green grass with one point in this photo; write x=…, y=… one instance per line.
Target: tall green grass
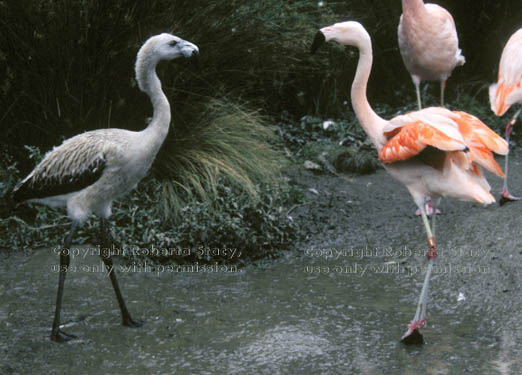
x=227, y=142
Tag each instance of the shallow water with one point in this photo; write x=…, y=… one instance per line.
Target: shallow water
x=336, y=304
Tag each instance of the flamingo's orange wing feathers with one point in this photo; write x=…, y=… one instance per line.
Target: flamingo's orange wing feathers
x=412, y=138
x=481, y=140
x=446, y=131
x=473, y=129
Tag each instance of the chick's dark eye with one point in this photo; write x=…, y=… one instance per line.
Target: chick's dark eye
x=173, y=43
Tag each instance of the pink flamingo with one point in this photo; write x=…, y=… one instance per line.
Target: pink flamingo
x=507, y=91
x=428, y=43
x=432, y=152
x=429, y=47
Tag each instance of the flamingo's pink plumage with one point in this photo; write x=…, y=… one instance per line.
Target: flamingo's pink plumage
x=508, y=91
x=433, y=151
x=428, y=43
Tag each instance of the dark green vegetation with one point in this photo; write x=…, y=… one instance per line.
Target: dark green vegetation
x=67, y=67
x=254, y=226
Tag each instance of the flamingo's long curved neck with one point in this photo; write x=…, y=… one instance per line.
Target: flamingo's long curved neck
x=149, y=83
x=371, y=122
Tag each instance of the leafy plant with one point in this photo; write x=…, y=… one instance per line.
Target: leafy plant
x=359, y=158
x=231, y=221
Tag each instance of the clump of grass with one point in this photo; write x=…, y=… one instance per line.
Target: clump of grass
x=227, y=142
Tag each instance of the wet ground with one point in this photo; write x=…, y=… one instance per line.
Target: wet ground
x=336, y=304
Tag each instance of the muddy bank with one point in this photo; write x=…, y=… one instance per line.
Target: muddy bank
x=336, y=304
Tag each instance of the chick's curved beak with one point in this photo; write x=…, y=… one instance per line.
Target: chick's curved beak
x=194, y=58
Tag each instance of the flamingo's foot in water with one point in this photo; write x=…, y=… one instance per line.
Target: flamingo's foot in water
x=413, y=335
x=129, y=322
x=61, y=336
x=506, y=197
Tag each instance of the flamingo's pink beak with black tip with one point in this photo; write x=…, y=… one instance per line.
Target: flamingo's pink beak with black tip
x=319, y=40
